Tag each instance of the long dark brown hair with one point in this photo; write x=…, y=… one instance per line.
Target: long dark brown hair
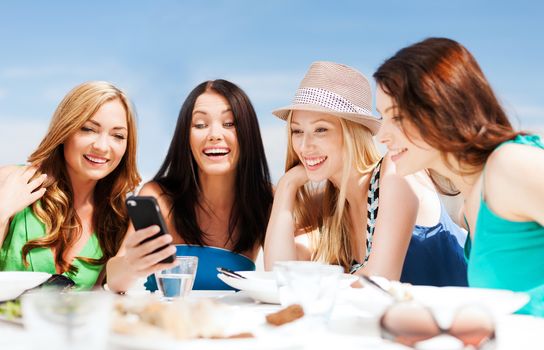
x=179, y=177
x=55, y=209
x=438, y=87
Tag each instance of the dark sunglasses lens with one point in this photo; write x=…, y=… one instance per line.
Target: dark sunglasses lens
x=58, y=281
x=409, y=323
x=473, y=326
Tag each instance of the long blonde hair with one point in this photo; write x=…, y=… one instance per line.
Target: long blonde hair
x=328, y=219
x=55, y=209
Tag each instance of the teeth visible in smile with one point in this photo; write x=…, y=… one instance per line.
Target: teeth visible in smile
x=314, y=161
x=216, y=151
x=96, y=160
x=395, y=152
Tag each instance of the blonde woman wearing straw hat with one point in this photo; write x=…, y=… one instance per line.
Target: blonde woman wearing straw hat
x=341, y=203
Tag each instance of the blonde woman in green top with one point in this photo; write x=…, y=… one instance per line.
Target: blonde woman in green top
x=65, y=213
x=440, y=113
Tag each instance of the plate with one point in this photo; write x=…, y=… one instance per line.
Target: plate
x=261, y=285
x=230, y=319
x=264, y=343
x=441, y=300
x=13, y=283
x=497, y=301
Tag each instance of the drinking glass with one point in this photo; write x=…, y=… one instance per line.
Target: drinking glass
x=72, y=320
x=178, y=281
x=313, y=285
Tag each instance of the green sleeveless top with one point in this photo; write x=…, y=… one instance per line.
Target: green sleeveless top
x=507, y=254
x=24, y=227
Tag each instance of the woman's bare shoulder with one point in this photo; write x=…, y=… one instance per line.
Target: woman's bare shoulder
x=151, y=188
x=514, y=162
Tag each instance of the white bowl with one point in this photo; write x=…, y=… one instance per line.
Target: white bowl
x=261, y=285
x=16, y=282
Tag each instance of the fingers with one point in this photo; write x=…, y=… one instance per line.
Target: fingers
x=37, y=182
x=152, y=262
x=34, y=196
x=28, y=172
x=137, y=238
x=149, y=247
x=143, y=257
x=157, y=267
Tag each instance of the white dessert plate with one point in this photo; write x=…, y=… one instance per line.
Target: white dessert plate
x=13, y=283
x=261, y=285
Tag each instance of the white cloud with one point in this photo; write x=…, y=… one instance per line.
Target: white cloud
x=3, y=93
x=19, y=137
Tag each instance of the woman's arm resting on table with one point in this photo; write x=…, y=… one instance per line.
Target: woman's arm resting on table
x=397, y=214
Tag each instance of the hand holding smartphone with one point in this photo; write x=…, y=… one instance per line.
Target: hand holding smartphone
x=144, y=212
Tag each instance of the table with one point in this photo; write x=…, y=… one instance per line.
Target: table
x=349, y=328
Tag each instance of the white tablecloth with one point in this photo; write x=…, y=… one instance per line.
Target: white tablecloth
x=348, y=328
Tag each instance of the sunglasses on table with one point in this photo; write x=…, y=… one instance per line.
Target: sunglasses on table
x=409, y=323
x=57, y=282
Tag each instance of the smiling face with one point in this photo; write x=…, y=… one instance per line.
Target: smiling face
x=213, y=139
x=317, y=141
x=96, y=149
x=410, y=154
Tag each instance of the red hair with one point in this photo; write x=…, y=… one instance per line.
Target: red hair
x=438, y=87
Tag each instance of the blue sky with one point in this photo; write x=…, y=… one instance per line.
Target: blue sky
x=157, y=51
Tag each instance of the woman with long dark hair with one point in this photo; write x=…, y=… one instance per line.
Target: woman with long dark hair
x=213, y=187
x=440, y=113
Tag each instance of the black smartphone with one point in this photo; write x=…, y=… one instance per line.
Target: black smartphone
x=144, y=212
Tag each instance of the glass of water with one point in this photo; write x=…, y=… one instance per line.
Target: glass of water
x=311, y=284
x=178, y=281
x=74, y=320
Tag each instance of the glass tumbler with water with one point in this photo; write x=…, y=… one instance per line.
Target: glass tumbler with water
x=74, y=320
x=178, y=281
x=310, y=284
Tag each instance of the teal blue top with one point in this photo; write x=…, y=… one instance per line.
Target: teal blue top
x=25, y=226
x=507, y=254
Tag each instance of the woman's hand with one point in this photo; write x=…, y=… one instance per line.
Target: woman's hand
x=137, y=259
x=18, y=189
x=294, y=178
x=279, y=243
x=140, y=257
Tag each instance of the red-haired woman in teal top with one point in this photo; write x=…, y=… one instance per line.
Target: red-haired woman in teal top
x=441, y=114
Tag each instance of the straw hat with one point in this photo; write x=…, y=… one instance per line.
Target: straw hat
x=334, y=89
